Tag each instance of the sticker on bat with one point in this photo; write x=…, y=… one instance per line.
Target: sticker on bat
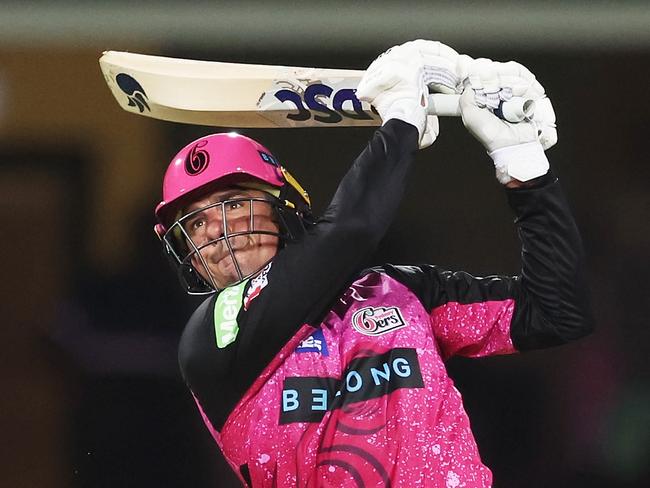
x=320, y=103
x=133, y=90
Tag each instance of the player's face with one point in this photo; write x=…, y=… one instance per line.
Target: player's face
x=251, y=250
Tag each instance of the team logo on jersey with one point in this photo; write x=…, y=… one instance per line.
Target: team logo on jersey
x=314, y=343
x=375, y=321
x=257, y=285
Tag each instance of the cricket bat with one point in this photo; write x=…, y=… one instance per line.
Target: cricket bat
x=247, y=95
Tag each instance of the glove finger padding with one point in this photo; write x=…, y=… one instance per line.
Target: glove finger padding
x=440, y=66
x=523, y=83
x=394, y=85
x=519, y=79
x=493, y=132
x=484, y=81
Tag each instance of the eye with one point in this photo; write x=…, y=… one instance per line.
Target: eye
x=194, y=224
x=234, y=205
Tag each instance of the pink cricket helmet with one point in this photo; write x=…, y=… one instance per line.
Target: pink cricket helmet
x=226, y=158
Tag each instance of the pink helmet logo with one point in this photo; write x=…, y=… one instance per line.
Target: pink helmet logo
x=197, y=159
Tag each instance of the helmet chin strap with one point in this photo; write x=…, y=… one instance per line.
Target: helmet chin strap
x=296, y=186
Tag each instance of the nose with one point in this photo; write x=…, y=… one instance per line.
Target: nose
x=214, y=224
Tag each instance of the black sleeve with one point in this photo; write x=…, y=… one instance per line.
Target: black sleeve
x=552, y=303
x=309, y=274
x=550, y=294
x=305, y=276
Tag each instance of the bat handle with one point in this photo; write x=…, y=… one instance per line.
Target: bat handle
x=514, y=110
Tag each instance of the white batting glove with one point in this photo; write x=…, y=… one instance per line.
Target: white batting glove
x=394, y=85
x=516, y=149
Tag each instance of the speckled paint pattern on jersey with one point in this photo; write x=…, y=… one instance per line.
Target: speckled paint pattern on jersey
x=375, y=407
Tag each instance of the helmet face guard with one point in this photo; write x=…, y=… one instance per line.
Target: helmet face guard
x=244, y=230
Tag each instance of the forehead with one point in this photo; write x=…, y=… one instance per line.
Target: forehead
x=221, y=195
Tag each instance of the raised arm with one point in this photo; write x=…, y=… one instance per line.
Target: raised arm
x=547, y=304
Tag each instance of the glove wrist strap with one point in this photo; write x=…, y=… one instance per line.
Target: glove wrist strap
x=406, y=111
x=521, y=162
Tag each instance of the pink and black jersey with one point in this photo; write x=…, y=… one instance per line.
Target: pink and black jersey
x=317, y=373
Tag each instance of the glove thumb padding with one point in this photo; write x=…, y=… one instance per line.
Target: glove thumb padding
x=377, y=79
x=431, y=131
x=394, y=85
x=480, y=122
x=545, y=119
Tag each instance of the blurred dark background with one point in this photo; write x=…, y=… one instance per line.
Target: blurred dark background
x=92, y=312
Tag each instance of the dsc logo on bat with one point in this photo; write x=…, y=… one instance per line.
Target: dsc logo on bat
x=319, y=102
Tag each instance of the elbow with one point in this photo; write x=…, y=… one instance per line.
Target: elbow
x=574, y=329
x=535, y=330
x=576, y=319
x=577, y=325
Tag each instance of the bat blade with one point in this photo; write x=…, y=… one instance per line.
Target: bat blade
x=235, y=94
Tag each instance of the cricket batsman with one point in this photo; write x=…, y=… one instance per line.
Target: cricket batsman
x=310, y=371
